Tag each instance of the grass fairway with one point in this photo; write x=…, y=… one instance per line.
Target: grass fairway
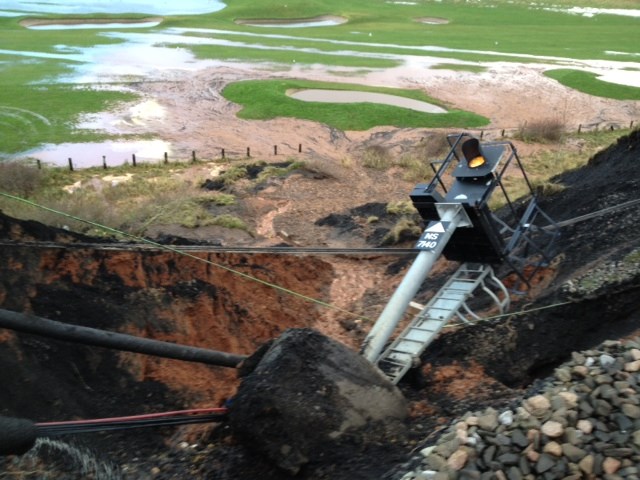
x=588, y=83
x=266, y=99
x=37, y=106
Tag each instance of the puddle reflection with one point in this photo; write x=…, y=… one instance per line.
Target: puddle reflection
x=162, y=7
x=84, y=155
x=84, y=25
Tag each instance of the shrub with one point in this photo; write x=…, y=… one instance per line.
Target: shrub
x=376, y=157
x=405, y=229
x=402, y=207
x=417, y=161
x=546, y=130
x=274, y=171
x=234, y=174
x=19, y=179
x=222, y=199
x=431, y=146
x=228, y=221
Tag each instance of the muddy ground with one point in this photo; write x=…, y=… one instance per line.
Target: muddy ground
x=594, y=284
x=590, y=295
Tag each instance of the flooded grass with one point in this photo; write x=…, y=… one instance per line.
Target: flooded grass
x=591, y=84
x=36, y=64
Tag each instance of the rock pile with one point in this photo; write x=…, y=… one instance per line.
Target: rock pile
x=583, y=423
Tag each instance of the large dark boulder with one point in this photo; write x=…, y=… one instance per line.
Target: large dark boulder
x=304, y=395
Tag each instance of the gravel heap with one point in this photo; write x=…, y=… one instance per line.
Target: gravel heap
x=582, y=423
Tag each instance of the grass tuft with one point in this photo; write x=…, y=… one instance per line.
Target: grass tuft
x=377, y=158
x=546, y=130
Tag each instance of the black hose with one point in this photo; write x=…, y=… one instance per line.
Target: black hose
x=57, y=430
x=17, y=435
x=119, y=341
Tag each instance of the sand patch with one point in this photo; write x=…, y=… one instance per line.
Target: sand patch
x=322, y=20
x=354, y=96
x=87, y=22
x=432, y=20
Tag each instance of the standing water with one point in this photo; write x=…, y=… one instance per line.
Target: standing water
x=155, y=7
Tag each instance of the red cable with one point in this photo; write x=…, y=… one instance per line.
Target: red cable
x=147, y=416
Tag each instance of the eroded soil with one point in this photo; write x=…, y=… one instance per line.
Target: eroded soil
x=180, y=300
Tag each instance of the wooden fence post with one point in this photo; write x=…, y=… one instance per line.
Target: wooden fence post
x=579, y=128
x=39, y=164
x=223, y=154
x=248, y=152
x=166, y=158
x=193, y=156
x=275, y=149
x=70, y=164
x=299, y=148
x=104, y=162
x=133, y=159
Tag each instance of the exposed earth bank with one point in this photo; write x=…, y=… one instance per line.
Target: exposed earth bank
x=590, y=295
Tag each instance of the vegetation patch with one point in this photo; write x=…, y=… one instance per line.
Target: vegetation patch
x=267, y=99
x=589, y=83
x=545, y=130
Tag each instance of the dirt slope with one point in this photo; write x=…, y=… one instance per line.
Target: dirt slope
x=595, y=287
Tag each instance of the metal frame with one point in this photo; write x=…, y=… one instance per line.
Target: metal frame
x=525, y=235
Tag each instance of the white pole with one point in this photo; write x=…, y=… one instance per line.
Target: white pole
x=409, y=286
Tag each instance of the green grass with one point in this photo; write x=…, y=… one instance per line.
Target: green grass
x=376, y=35
x=265, y=99
x=34, y=107
x=36, y=114
x=511, y=28
x=588, y=83
x=154, y=195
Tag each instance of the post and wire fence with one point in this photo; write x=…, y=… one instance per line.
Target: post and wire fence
x=275, y=150
x=225, y=154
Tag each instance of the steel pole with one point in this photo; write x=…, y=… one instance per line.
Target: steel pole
x=409, y=286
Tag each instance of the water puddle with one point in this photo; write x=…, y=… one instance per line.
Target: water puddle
x=349, y=96
x=323, y=21
x=592, y=12
x=630, y=78
x=432, y=20
x=81, y=7
x=84, y=155
x=75, y=24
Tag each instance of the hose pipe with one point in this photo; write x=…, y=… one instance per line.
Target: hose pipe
x=17, y=435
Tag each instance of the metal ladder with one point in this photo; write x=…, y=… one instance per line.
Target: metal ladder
x=404, y=352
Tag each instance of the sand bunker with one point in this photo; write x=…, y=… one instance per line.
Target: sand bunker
x=70, y=23
x=320, y=21
x=432, y=20
x=350, y=96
